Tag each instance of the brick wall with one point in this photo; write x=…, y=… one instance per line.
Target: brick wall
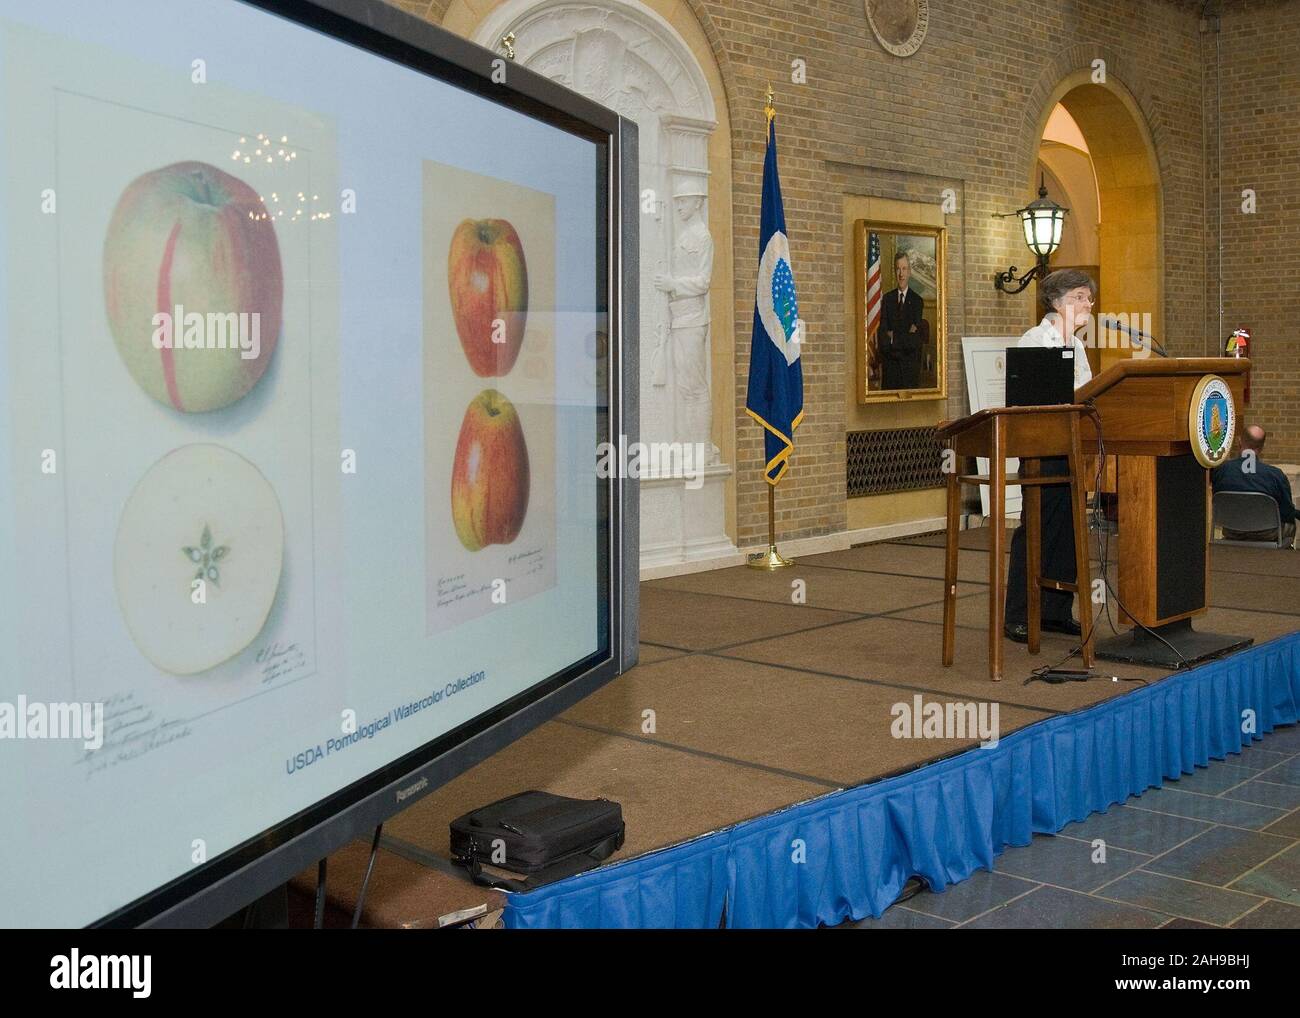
x=964, y=112
x=1259, y=55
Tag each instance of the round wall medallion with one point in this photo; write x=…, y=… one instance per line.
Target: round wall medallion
x=900, y=25
x=1211, y=421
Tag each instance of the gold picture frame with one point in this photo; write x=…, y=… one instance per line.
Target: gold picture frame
x=901, y=344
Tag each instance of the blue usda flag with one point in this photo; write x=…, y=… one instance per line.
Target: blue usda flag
x=775, y=396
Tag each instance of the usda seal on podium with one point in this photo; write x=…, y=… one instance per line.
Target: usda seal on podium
x=1211, y=421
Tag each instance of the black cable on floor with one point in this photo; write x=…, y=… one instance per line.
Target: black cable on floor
x=320, y=896
x=370, y=866
x=913, y=887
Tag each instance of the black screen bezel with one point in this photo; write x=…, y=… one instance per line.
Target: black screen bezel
x=238, y=876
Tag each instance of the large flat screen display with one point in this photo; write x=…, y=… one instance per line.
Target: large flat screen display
x=304, y=362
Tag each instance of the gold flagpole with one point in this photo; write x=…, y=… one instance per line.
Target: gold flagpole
x=770, y=559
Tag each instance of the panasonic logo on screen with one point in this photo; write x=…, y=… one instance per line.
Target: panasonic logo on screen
x=406, y=793
x=75, y=971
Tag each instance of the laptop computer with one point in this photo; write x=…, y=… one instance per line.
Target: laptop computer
x=1039, y=376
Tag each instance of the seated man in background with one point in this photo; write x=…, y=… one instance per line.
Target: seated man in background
x=1249, y=472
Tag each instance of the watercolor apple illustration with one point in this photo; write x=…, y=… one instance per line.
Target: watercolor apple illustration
x=488, y=280
x=191, y=240
x=202, y=512
x=489, y=475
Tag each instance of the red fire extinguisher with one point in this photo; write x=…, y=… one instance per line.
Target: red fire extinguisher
x=1239, y=346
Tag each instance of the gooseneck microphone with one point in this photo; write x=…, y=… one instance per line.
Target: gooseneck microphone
x=1141, y=339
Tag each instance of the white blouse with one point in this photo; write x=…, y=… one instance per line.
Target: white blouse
x=1045, y=333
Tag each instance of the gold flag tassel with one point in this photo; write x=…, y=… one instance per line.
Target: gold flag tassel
x=770, y=559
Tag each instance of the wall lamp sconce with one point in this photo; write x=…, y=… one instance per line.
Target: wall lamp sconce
x=1042, y=220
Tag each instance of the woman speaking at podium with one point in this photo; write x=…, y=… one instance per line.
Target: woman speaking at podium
x=1067, y=297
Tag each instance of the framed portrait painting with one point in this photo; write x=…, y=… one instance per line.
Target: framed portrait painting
x=900, y=329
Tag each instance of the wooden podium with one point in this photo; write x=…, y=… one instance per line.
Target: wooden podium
x=1144, y=407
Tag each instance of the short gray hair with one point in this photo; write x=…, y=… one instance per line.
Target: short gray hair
x=1057, y=284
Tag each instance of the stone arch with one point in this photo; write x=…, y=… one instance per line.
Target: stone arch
x=460, y=17
x=1071, y=67
x=657, y=56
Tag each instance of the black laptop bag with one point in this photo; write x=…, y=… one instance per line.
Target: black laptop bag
x=533, y=838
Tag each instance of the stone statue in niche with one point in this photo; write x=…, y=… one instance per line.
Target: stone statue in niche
x=687, y=287
x=626, y=57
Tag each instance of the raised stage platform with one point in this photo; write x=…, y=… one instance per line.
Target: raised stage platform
x=760, y=703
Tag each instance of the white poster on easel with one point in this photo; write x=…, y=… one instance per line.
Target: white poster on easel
x=986, y=386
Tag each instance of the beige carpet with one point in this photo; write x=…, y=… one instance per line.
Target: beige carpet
x=757, y=690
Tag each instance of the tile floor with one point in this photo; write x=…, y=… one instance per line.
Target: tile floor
x=1218, y=848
